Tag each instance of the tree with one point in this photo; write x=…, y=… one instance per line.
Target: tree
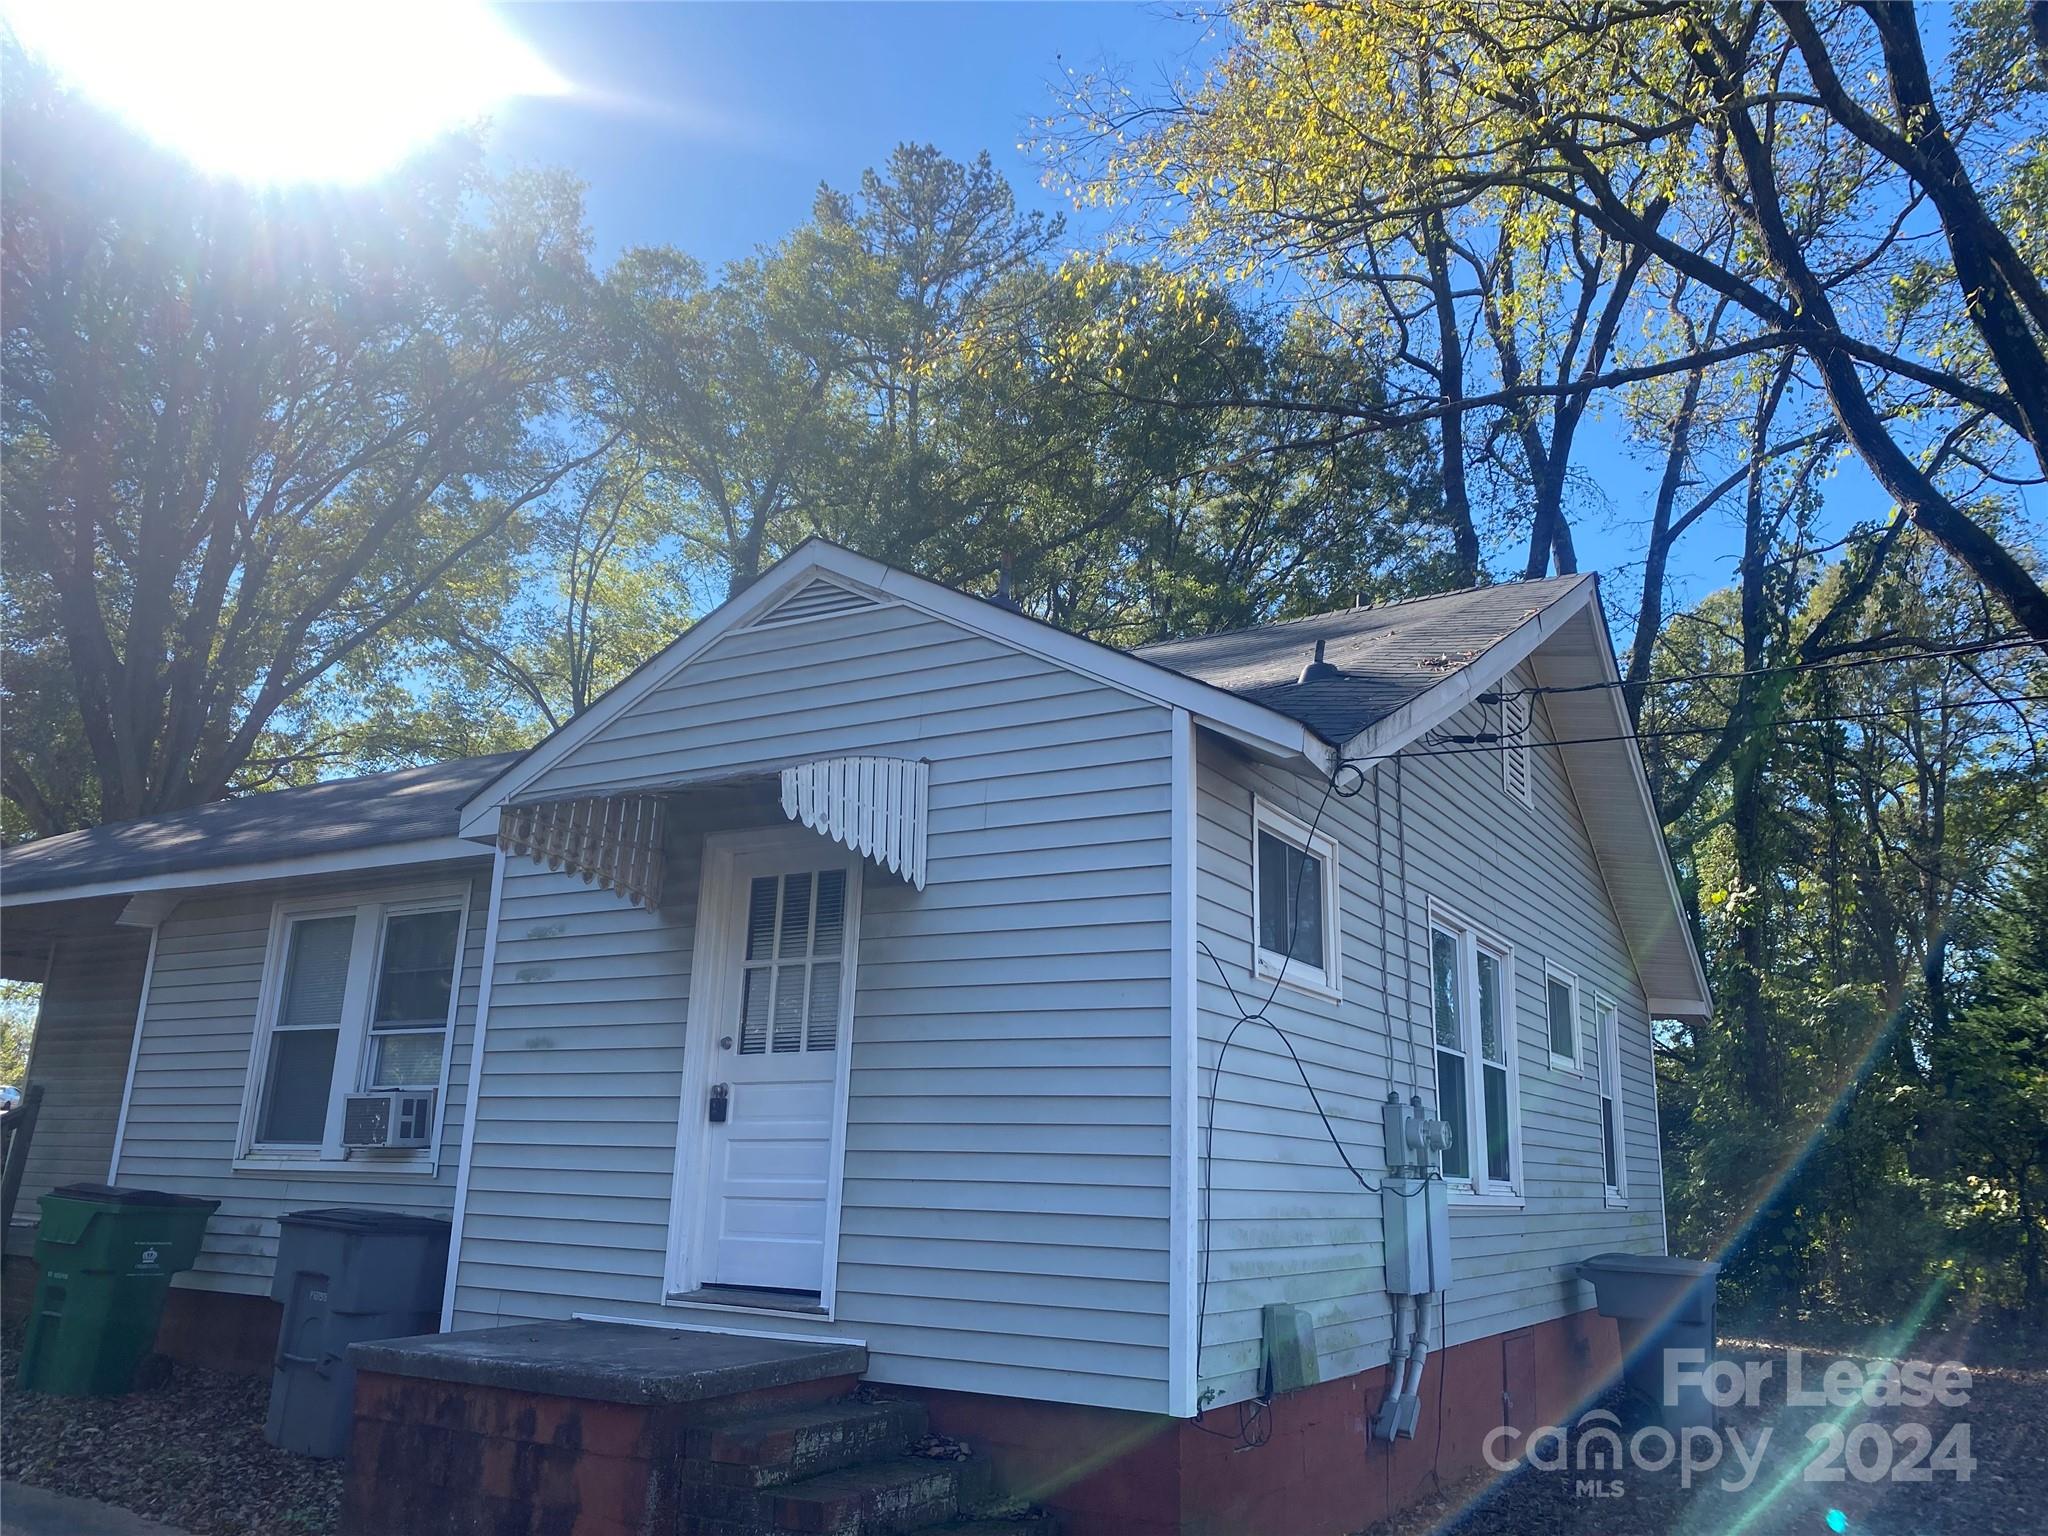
x=247, y=434
x=1997, y=1060
x=1793, y=161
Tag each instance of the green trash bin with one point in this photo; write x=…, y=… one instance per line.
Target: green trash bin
x=107, y=1256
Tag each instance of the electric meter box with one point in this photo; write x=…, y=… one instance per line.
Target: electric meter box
x=1415, y=1218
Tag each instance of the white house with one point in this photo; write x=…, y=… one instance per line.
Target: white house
x=879, y=963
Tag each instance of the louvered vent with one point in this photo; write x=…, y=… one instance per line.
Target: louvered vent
x=815, y=599
x=1514, y=752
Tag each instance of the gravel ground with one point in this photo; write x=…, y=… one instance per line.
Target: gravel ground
x=189, y=1450
x=2005, y=1494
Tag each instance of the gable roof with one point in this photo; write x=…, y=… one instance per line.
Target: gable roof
x=1388, y=656
x=326, y=822
x=1245, y=720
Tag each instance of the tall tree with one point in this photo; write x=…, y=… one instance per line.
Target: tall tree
x=246, y=434
x=1816, y=136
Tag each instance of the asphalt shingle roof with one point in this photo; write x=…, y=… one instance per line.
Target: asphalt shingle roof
x=402, y=806
x=1389, y=655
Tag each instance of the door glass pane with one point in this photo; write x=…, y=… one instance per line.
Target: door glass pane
x=406, y=1060
x=1498, y=1163
x=1561, y=1024
x=416, y=973
x=789, y=1007
x=795, y=942
x=830, y=937
x=760, y=917
x=754, y=1011
x=317, y=974
x=823, y=1029
x=1607, y=1139
x=301, y=1071
x=1490, y=1043
x=1443, y=955
x=1450, y=1099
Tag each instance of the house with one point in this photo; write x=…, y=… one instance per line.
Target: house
x=879, y=966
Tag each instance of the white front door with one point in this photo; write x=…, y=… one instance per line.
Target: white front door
x=782, y=1000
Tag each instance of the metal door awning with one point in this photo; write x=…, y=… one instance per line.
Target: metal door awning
x=610, y=840
x=873, y=805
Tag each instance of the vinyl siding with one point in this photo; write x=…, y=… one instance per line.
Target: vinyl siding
x=1004, y=1224
x=1287, y=1221
x=184, y=1112
x=85, y=1023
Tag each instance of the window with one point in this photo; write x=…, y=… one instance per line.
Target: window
x=359, y=996
x=789, y=982
x=1607, y=1021
x=1561, y=992
x=1294, y=902
x=1472, y=1007
x=1514, y=746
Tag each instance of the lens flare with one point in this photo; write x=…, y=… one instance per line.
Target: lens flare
x=274, y=93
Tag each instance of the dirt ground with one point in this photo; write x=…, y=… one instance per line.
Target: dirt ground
x=187, y=1449
x=1808, y=1480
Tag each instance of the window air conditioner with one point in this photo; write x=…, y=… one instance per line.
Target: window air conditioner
x=404, y=1118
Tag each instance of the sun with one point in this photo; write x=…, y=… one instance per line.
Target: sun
x=287, y=91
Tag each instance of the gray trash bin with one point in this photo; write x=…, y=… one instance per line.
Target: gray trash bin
x=1659, y=1303
x=344, y=1276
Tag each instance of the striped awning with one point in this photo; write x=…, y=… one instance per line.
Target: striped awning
x=610, y=840
x=873, y=805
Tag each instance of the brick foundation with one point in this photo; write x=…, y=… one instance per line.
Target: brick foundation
x=220, y=1330
x=1317, y=1473
x=436, y=1458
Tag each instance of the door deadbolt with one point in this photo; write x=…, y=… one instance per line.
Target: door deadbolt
x=721, y=1100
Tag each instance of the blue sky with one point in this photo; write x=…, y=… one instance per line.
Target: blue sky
x=710, y=126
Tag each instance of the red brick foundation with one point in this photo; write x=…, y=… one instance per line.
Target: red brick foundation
x=1317, y=1472
x=437, y=1458
x=219, y=1330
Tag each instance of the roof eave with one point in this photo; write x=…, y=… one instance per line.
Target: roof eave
x=398, y=855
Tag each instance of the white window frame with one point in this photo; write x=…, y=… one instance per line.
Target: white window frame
x=1517, y=719
x=1476, y=1188
x=370, y=909
x=1326, y=980
x=1607, y=1028
x=1576, y=1062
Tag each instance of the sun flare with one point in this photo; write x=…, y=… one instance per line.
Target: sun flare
x=288, y=92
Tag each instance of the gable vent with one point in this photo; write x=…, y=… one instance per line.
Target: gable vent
x=1514, y=741
x=815, y=599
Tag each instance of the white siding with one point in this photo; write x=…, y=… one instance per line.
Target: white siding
x=1288, y=1223
x=84, y=1024
x=1005, y=1215
x=185, y=1109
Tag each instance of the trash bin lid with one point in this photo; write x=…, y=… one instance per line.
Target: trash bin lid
x=1663, y=1265
x=350, y=1219
x=118, y=1194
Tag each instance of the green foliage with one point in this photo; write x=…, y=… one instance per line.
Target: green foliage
x=17, y=1029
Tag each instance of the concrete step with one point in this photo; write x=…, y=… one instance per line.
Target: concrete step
x=766, y=1450
x=904, y=1493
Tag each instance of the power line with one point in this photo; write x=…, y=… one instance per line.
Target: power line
x=1456, y=746
x=1826, y=664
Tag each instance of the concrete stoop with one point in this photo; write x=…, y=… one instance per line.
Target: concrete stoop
x=582, y=1429
x=833, y=1469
